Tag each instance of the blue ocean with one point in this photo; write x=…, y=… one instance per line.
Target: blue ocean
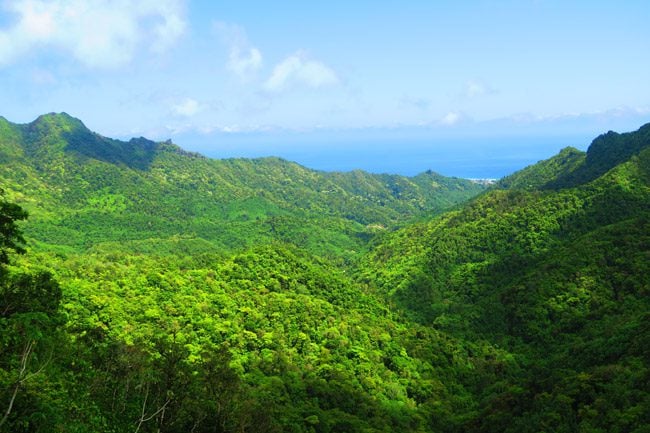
x=474, y=158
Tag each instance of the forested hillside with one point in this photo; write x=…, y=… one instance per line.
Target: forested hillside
x=83, y=190
x=161, y=291
x=551, y=266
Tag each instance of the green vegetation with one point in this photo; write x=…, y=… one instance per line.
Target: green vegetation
x=83, y=190
x=556, y=276
x=166, y=292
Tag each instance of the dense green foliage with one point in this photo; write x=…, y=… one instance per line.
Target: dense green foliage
x=559, y=277
x=29, y=320
x=83, y=189
x=166, y=292
x=11, y=238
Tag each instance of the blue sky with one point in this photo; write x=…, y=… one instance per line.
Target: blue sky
x=211, y=73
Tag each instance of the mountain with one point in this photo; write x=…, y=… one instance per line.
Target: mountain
x=572, y=168
x=552, y=266
x=83, y=190
x=166, y=292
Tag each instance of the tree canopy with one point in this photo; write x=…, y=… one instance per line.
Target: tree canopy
x=166, y=292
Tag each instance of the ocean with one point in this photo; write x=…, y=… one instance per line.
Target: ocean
x=473, y=158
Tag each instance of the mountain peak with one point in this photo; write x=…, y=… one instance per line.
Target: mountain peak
x=605, y=152
x=56, y=133
x=62, y=121
x=544, y=172
x=54, y=115
x=571, y=167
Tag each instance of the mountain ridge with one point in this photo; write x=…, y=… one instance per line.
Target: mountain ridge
x=572, y=168
x=93, y=178
x=313, y=302
x=552, y=265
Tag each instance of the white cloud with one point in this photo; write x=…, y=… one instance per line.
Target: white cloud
x=451, y=118
x=171, y=24
x=596, y=115
x=243, y=58
x=97, y=33
x=243, y=64
x=188, y=107
x=474, y=89
x=296, y=69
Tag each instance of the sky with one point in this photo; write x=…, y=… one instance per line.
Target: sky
x=254, y=78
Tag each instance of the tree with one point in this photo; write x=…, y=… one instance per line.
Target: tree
x=28, y=316
x=11, y=237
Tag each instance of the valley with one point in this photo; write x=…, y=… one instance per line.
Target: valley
x=151, y=289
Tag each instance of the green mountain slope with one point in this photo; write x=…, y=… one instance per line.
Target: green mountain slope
x=83, y=189
x=572, y=168
x=267, y=340
x=167, y=292
x=539, y=175
x=556, y=270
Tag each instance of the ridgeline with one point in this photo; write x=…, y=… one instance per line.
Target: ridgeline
x=155, y=290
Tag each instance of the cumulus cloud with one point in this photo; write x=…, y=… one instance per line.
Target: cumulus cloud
x=474, y=89
x=188, y=107
x=97, y=33
x=244, y=63
x=243, y=58
x=297, y=69
x=451, y=118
